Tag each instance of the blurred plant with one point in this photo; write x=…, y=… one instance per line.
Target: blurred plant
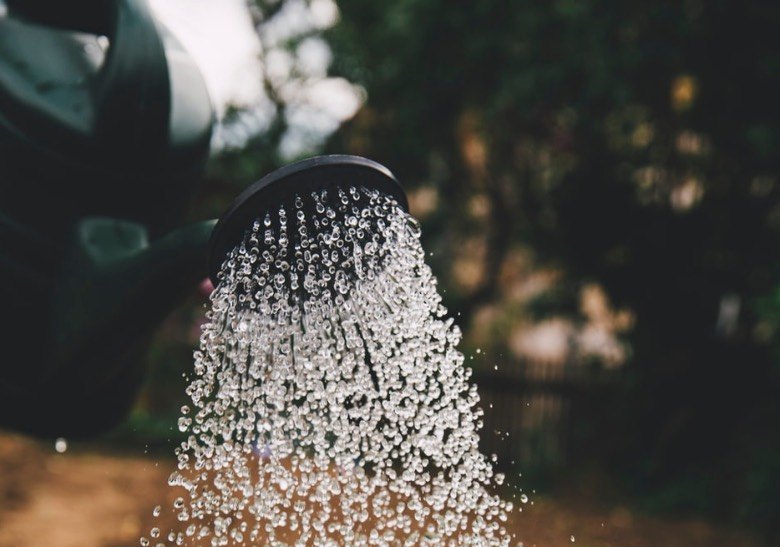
x=298, y=104
x=595, y=178
x=295, y=103
x=628, y=146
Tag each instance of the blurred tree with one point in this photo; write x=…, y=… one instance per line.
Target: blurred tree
x=567, y=157
x=631, y=144
x=297, y=106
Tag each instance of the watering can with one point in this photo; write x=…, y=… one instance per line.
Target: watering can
x=105, y=124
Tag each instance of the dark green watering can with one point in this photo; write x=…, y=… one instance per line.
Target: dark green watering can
x=105, y=125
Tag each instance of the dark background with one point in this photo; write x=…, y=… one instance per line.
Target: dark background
x=630, y=145
x=627, y=150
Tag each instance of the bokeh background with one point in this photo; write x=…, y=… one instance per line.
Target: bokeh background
x=598, y=188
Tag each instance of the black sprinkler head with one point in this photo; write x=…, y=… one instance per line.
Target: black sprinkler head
x=282, y=185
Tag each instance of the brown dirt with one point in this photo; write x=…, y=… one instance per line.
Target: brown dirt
x=93, y=497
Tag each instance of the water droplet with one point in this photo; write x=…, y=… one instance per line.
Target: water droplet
x=61, y=445
x=327, y=372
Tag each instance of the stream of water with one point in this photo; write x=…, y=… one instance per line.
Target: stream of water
x=329, y=403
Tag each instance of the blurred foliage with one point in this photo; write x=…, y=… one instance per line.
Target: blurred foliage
x=610, y=164
x=629, y=144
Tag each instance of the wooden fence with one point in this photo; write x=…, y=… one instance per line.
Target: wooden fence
x=531, y=411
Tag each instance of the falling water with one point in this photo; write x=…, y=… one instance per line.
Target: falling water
x=330, y=405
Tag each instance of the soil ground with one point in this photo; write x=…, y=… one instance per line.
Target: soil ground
x=91, y=496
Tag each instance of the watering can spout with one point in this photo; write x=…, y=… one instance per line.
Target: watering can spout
x=116, y=287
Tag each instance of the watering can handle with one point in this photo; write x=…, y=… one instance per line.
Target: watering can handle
x=131, y=91
x=92, y=16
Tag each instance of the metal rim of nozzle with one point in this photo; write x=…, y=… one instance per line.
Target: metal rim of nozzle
x=315, y=173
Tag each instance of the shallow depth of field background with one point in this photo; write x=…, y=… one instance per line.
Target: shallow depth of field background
x=598, y=188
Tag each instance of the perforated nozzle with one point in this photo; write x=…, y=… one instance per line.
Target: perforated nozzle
x=282, y=185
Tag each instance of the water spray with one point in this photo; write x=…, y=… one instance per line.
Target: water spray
x=329, y=403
